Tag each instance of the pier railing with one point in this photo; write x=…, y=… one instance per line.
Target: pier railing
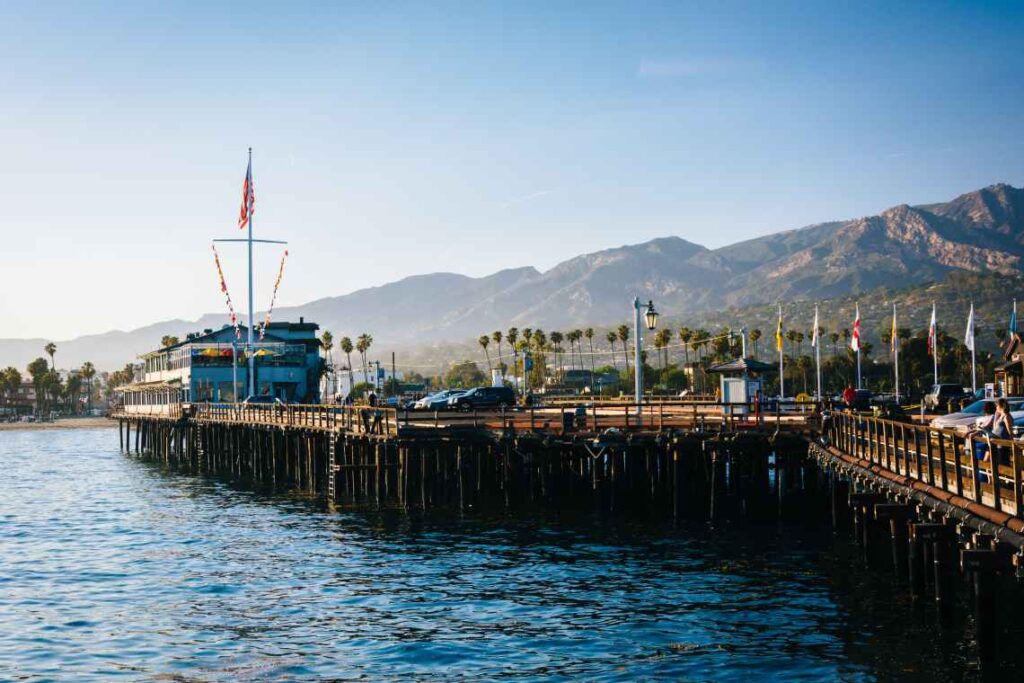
x=577, y=416
x=978, y=469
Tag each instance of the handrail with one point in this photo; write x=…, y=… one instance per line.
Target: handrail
x=983, y=470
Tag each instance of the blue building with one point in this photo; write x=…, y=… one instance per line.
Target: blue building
x=212, y=366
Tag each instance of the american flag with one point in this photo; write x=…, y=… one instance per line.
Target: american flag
x=248, y=198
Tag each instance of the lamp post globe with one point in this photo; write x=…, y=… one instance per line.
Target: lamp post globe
x=651, y=315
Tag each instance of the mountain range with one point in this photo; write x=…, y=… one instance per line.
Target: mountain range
x=904, y=246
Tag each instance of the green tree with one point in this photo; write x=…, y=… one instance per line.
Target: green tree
x=612, y=337
x=51, y=349
x=88, y=372
x=483, y=341
x=755, y=337
x=363, y=344
x=464, y=375
x=327, y=344
x=685, y=336
x=623, y=335
x=556, y=346
x=168, y=340
x=37, y=370
x=10, y=383
x=589, y=334
x=347, y=348
x=497, y=336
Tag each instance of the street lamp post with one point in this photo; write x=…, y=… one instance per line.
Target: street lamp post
x=650, y=317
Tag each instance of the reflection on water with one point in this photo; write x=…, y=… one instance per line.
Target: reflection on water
x=110, y=567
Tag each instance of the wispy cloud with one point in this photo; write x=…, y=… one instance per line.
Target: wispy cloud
x=678, y=68
x=525, y=198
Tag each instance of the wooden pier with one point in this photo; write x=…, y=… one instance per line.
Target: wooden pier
x=917, y=499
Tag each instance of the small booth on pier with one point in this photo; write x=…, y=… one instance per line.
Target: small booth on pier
x=740, y=383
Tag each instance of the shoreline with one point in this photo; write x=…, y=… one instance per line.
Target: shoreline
x=64, y=423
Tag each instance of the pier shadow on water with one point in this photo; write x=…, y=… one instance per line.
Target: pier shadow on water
x=118, y=568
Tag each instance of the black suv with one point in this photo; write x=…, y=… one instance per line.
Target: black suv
x=483, y=397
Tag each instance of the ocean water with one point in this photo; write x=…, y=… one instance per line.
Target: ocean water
x=112, y=568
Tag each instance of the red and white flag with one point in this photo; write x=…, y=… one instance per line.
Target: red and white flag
x=932, y=334
x=248, y=198
x=855, y=339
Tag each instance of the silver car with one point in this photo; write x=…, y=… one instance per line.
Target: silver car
x=968, y=417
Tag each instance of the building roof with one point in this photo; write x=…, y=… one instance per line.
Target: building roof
x=150, y=386
x=205, y=337
x=742, y=365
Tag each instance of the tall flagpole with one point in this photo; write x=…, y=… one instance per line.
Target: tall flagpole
x=935, y=344
x=252, y=361
x=858, y=346
x=778, y=340
x=817, y=351
x=895, y=341
x=974, y=373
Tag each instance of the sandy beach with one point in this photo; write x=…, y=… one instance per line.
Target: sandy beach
x=65, y=423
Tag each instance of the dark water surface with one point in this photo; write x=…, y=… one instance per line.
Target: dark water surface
x=112, y=568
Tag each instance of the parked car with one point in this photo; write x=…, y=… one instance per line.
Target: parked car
x=940, y=394
x=483, y=397
x=438, y=401
x=969, y=416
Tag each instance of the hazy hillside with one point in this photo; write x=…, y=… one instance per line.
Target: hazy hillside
x=979, y=232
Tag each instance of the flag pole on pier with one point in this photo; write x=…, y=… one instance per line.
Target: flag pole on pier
x=894, y=344
x=933, y=347
x=816, y=343
x=969, y=343
x=778, y=345
x=855, y=341
x=245, y=221
x=249, y=199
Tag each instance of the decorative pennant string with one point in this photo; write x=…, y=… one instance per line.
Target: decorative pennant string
x=273, y=297
x=227, y=296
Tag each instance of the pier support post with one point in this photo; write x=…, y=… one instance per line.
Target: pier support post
x=982, y=565
x=897, y=515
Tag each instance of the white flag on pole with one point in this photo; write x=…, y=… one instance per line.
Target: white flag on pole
x=814, y=332
x=969, y=334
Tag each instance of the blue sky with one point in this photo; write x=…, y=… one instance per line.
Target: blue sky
x=465, y=137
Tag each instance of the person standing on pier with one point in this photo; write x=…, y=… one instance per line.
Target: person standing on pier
x=849, y=396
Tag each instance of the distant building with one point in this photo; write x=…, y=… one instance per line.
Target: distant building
x=200, y=368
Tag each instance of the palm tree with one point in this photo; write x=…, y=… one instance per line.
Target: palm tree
x=51, y=349
x=483, y=341
x=623, y=334
x=10, y=382
x=168, y=340
x=346, y=346
x=327, y=343
x=612, y=338
x=834, y=338
x=363, y=343
x=87, y=372
x=661, y=339
x=755, y=338
x=497, y=336
x=556, y=341
x=685, y=335
x=589, y=334
x=513, y=336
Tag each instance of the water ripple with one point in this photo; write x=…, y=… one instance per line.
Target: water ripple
x=114, y=569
